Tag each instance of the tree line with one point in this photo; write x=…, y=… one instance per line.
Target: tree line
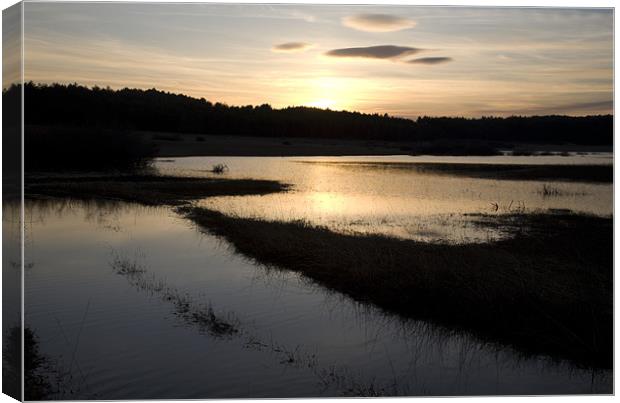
x=75, y=105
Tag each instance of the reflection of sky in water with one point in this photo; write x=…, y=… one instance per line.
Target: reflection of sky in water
x=397, y=202
x=132, y=345
x=11, y=290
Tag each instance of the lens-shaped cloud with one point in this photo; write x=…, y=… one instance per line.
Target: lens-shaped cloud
x=291, y=47
x=430, y=60
x=377, y=22
x=375, y=52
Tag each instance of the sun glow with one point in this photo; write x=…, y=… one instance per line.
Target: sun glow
x=330, y=92
x=323, y=103
x=327, y=203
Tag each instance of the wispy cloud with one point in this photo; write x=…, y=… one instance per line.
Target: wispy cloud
x=375, y=52
x=377, y=22
x=430, y=60
x=291, y=47
x=574, y=108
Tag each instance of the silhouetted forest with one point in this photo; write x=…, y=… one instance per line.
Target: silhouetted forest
x=152, y=110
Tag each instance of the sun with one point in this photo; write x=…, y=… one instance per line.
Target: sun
x=329, y=92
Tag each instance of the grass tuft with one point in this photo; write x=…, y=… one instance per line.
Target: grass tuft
x=549, y=191
x=219, y=168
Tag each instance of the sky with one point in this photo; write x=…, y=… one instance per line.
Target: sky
x=406, y=61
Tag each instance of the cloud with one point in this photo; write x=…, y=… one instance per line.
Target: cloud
x=606, y=106
x=291, y=47
x=577, y=108
x=375, y=52
x=430, y=60
x=377, y=22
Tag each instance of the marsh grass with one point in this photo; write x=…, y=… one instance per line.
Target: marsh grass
x=547, y=289
x=146, y=189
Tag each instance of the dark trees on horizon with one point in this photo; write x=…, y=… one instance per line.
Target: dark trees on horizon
x=152, y=110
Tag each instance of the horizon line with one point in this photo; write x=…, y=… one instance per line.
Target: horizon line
x=387, y=115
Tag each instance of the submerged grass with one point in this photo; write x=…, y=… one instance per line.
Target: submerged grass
x=186, y=308
x=204, y=317
x=548, y=289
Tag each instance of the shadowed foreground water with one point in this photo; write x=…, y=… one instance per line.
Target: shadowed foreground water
x=122, y=337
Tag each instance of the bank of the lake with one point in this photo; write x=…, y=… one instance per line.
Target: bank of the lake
x=170, y=145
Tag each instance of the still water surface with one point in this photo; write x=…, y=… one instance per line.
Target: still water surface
x=334, y=192
x=294, y=338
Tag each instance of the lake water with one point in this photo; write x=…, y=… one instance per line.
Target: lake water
x=344, y=196
x=118, y=338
